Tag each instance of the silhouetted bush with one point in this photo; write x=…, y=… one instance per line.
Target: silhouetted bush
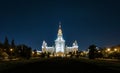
x=92, y=51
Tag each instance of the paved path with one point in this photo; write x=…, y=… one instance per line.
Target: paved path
x=60, y=66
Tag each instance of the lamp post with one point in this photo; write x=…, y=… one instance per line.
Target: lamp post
x=115, y=49
x=11, y=49
x=107, y=52
x=108, y=49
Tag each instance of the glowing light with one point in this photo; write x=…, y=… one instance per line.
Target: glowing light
x=115, y=49
x=11, y=49
x=60, y=30
x=99, y=51
x=108, y=49
x=32, y=52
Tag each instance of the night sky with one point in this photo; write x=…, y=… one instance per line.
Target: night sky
x=87, y=21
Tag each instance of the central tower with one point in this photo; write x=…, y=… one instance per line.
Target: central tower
x=59, y=42
x=59, y=49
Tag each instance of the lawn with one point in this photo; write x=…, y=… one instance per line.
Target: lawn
x=56, y=62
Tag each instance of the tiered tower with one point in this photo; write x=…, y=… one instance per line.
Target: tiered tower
x=59, y=42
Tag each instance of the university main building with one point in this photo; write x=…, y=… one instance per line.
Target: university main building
x=59, y=49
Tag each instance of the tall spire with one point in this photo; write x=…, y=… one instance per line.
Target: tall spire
x=59, y=30
x=59, y=24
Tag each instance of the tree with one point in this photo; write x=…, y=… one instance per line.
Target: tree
x=12, y=49
x=48, y=54
x=6, y=45
x=42, y=55
x=71, y=54
x=28, y=52
x=92, y=51
x=12, y=44
x=1, y=46
x=4, y=55
x=35, y=53
x=24, y=51
x=77, y=54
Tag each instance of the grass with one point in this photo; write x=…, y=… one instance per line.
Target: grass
x=110, y=64
x=4, y=65
x=113, y=64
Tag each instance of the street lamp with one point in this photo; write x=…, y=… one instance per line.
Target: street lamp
x=115, y=49
x=108, y=49
x=11, y=50
x=99, y=51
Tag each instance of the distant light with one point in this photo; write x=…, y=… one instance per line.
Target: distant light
x=32, y=52
x=108, y=49
x=99, y=51
x=97, y=48
x=115, y=49
x=11, y=49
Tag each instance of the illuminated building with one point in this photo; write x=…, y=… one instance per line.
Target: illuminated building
x=59, y=49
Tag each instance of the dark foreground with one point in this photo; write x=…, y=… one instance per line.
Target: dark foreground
x=59, y=65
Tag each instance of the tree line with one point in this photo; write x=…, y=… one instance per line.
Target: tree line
x=11, y=50
x=110, y=53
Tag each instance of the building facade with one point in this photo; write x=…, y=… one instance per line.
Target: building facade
x=59, y=49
